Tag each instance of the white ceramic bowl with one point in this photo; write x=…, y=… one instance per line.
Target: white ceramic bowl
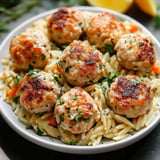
x=54, y=144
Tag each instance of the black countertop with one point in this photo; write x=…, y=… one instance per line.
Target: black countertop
x=18, y=148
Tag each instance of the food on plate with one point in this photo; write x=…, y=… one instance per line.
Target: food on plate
x=82, y=77
x=76, y=111
x=38, y=92
x=81, y=64
x=104, y=28
x=66, y=25
x=135, y=52
x=129, y=96
x=30, y=48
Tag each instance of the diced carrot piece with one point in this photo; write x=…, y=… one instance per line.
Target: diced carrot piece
x=11, y=92
x=156, y=68
x=132, y=27
x=52, y=121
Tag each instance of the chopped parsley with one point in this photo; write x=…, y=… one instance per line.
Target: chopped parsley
x=90, y=81
x=29, y=127
x=110, y=79
x=74, y=119
x=39, y=131
x=59, y=76
x=36, y=76
x=79, y=116
x=72, y=143
x=43, y=57
x=109, y=48
x=30, y=74
x=36, y=70
x=16, y=99
x=140, y=43
x=75, y=97
x=17, y=78
x=30, y=67
x=67, y=70
x=69, y=115
x=132, y=133
x=56, y=79
x=88, y=119
x=61, y=119
x=94, y=47
x=60, y=102
x=36, y=54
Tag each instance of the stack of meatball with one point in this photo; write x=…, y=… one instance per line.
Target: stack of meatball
x=81, y=64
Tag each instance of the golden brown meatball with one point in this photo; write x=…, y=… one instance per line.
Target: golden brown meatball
x=129, y=96
x=30, y=48
x=134, y=52
x=76, y=111
x=66, y=25
x=38, y=92
x=81, y=64
x=104, y=28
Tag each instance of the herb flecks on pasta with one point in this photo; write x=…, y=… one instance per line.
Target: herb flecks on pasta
x=82, y=77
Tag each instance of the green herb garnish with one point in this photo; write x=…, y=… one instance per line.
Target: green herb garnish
x=59, y=76
x=75, y=97
x=29, y=127
x=39, y=131
x=30, y=74
x=69, y=115
x=37, y=70
x=61, y=119
x=67, y=70
x=36, y=54
x=16, y=99
x=30, y=67
x=109, y=48
x=17, y=78
x=43, y=57
x=72, y=143
x=60, y=102
x=56, y=79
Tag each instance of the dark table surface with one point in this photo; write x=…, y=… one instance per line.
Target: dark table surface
x=18, y=148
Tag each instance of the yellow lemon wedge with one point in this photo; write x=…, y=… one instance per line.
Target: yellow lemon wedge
x=147, y=6
x=117, y=5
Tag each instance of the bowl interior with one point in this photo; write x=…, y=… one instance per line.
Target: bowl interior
x=52, y=143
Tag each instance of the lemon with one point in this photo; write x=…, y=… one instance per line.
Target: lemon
x=117, y=5
x=147, y=6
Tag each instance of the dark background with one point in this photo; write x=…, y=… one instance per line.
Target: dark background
x=17, y=148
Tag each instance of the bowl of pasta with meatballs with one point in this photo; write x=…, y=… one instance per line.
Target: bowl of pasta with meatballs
x=80, y=80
